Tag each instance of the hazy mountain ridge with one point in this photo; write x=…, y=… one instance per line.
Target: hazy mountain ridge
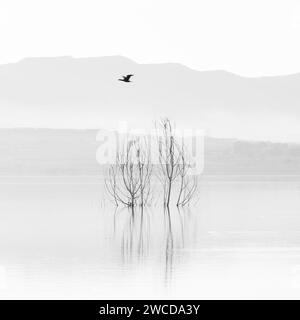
x=73, y=152
x=85, y=93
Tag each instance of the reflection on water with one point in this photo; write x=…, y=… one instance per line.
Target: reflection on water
x=141, y=231
x=61, y=240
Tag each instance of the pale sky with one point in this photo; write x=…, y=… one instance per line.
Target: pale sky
x=247, y=37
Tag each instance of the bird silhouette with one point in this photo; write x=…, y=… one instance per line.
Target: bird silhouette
x=126, y=78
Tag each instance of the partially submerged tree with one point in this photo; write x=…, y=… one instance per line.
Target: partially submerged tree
x=129, y=178
x=144, y=167
x=188, y=182
x=168, y=156
x=175, y=166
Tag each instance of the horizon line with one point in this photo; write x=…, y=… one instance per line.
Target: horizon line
x=205, y=135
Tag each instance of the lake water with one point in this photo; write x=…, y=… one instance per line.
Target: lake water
x=60, y=238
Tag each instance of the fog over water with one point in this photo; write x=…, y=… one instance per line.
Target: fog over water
x=60, y=238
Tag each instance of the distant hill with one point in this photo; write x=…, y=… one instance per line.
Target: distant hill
x=84, y=93
x=42, y=152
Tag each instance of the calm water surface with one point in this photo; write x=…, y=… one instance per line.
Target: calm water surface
x=60, y=238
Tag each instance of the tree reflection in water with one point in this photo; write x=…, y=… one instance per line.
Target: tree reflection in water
x=144, y=234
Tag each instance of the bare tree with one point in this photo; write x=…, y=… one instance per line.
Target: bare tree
x=129, y=178
x=144, y=167
x=175, y=166
x=112, y=186
x=129, y=173
x=188, y=182
x=169, y=155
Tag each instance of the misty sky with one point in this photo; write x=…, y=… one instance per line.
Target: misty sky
x=248, y=37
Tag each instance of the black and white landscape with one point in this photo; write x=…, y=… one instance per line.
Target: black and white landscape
x=181, y=181
x=62, y=236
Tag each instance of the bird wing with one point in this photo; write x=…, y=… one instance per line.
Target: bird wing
x=129, y=76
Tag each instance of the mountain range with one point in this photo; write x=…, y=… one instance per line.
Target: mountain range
x=82, y=93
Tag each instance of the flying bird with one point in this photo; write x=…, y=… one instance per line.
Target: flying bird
x=126, y=78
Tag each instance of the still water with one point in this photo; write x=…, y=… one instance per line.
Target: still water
x=60, y=238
